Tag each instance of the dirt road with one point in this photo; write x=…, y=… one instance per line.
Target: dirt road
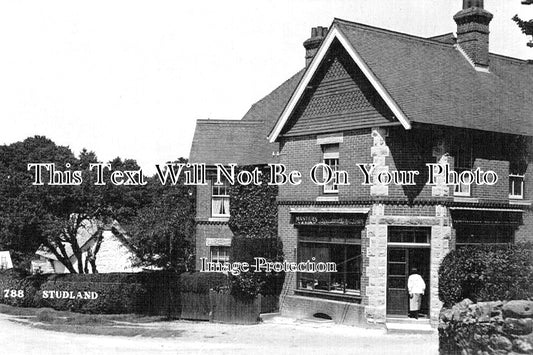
x=278, y=336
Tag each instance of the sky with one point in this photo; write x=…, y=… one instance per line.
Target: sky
x=130, y=78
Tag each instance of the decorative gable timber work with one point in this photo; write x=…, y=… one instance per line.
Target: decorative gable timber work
x=339, y=97
x=335, y=36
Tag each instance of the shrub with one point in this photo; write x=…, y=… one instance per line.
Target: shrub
x=202, y=282
x=247, y=285
x=485, y=273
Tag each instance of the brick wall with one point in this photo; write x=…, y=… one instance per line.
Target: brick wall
x=524, y=233
x=289, y=237
x=301, y=154
x=203, y=201
x=206, y=230
x=499, y=191
x=355, y=149
x=410, y=150
x=400, y=151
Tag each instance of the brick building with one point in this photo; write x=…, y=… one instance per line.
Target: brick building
x=241, y=142
x=374, y=96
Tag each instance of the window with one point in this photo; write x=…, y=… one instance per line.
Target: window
x=341, y=245
x=220, y=200
x=331, y=159
x=408, y=235
x=463, y=161
x=219, y=254
x=516, y=186
x=478, y=234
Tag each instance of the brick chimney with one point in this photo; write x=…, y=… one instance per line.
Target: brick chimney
x=473, y=31
x=311, y=44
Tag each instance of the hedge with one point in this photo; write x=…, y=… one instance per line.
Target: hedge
x=15, y=281
x=148, y=292
x=113, y=297
x=486, y=273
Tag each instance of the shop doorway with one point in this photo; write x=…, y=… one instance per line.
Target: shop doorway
x=407, y=249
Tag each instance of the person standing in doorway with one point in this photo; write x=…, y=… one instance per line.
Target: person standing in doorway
x=416, y=287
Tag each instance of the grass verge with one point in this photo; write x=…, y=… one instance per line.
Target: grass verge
x=129, y=325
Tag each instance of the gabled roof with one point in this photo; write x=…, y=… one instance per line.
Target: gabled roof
x=430, y=81
x=242, y=142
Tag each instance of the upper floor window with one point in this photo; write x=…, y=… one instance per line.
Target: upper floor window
x=516, y=186
x=463, y=161
x=220, y=200
x=331, y=159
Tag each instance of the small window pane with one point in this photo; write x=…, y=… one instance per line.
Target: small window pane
x=397, y=282
x=408, y=235
x=396, y=269
x=397, y=255
x=219, y=254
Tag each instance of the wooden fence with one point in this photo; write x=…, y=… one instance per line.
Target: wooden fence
x=195, y=306
x=269, y=304
x=227, y=309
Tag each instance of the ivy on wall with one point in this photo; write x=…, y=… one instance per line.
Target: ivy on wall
x=253, y=208
x=254, y=223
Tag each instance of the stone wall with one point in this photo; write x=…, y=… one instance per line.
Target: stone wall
x=487, y=328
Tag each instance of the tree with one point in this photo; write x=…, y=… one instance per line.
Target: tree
x=55, y=216
x=23, y=205
x=525, y=26
x=90, y=209
x=162, y=232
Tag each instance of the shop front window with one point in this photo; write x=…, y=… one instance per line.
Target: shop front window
x=340, y=245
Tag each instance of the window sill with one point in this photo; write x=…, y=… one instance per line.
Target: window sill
x=516, y=197
x=218, y=219
x=465, y=199
x=353, y=298
x=520, y=202
x=328, y=198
